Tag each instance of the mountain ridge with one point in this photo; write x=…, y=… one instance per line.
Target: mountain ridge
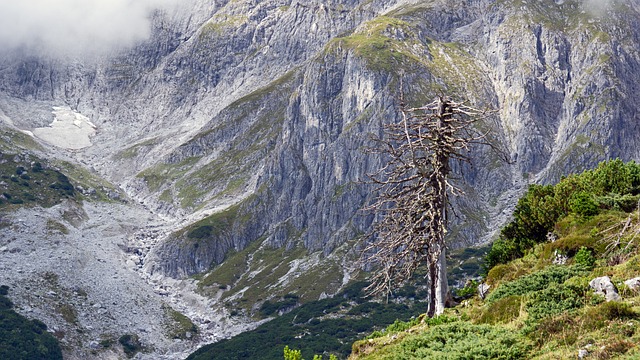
x=243, y=123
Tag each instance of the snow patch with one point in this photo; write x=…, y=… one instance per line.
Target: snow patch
x=69, y=129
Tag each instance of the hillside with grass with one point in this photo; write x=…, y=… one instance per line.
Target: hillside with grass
x=541, y=302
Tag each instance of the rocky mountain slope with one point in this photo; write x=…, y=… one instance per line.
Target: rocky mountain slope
x=237, y=130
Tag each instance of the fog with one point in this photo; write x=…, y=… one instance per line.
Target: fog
x=597, y=7
x=76, y=28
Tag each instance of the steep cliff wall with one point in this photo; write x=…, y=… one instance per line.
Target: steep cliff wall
x=261, y=110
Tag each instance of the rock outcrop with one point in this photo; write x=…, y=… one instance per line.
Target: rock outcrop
x=246, y=121
x=603, y=286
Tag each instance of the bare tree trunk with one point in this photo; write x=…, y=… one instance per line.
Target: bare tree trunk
x=442, y=289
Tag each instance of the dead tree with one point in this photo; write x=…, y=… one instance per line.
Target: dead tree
x=414, y=188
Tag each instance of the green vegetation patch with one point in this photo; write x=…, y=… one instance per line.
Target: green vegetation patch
x=160, y=174
x=229, y=271
x=24, y=180
x=392, y=45
x=375, y=44
x=130, y=344
x=536, y=281
x=27, y=180
x=233, y=168
x=82, y=177
x=229, y=172
x=327, y=326
x=538, y=310
x=219, y=23
x=12, y=141
x=133, y=151
x=612, y=186
x=458, y=340
x=267, y=267
x=504, y=311
x=179, y=326
x=54, y=227
x=21, y=338
x=217, y=224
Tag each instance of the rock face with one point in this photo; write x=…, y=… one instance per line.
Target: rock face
x=633, y=284
x=605, y=287
x=240, y=100
x=559, y=110
x=246, y=121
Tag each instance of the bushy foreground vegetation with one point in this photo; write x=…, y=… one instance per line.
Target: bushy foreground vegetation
x=613, y=185
x=21, y=338
x=540, y=304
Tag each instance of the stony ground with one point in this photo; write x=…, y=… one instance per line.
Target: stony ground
x=78, y=268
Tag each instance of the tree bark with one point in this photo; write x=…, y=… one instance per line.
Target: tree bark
x=442, y=289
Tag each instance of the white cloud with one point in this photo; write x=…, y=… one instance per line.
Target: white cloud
x=597, y=8
x=72, y=28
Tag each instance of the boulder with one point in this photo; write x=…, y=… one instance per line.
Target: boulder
x=483, y=289
x=633, y=284
x=604, y=286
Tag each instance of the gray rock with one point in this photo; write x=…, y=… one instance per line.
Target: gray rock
x=483, y=289
x=605, y=287
x=633, y=284
x=559, y=259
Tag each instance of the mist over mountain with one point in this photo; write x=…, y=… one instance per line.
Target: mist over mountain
x=217, y=148
x=70, y=29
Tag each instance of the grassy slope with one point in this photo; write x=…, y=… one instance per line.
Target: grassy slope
x=553, y=320
x=538, y=310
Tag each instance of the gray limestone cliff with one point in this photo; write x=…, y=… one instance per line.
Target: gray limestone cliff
x=247, y=122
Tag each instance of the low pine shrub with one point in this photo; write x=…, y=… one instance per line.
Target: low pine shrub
x=585, y=257
x=536, y=281
x=459, y=340
x=553, y=300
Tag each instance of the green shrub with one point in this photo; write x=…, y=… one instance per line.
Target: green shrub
x=626, y=202
x=536, y=281
x=290, y=354
x=585, y=257
x=288, y=301
x=572, y=243
x=458, y=340
x=470, y=290
x=399, y=326
x=497, y=273
x=130, y=344
x=21, y=338
x=504, y=250
x=201, y=232
x=613, y=184
x=553, y=300
x=583, y=204
x=565, y=327
x=617, y=310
